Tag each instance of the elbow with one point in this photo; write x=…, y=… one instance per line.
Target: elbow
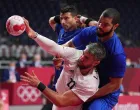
x=60, y=102
x=51, y=20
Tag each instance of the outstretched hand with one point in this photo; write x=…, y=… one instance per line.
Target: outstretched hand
x=31, y=33
x=30, y=79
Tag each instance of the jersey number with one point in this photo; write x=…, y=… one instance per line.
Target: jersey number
x=71, y=84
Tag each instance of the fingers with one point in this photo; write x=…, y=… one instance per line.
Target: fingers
x=23, y=77
x=28, y=75
x=33, y=73
x=25, y=80
x=25, y=21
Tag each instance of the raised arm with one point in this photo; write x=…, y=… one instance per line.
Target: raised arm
x=53, y=21
x=88, y=21
x=47, y=44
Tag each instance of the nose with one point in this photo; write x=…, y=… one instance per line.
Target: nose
x=62, y=21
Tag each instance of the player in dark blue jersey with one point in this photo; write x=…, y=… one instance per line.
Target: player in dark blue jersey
x=68, y=25
x=111, y=69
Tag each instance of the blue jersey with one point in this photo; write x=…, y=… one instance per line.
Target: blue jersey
x=64, y=37
x=113, y=65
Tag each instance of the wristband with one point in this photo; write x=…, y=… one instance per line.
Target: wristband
x=87, y=21
x=41, y=87
x=57, y=19
x=36, y=34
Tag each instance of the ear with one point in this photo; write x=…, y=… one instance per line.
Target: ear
x=96, y=63
x=115, y=26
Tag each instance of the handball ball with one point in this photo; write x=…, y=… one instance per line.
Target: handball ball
x=15, y=25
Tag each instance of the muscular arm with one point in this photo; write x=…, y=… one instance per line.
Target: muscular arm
x=92, y=23
x=68, y=98
x=88, y=21
x=53, y=48
x=62, y=100
x=108, y=88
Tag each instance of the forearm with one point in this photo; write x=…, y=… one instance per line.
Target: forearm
x=49, y=45
x=108, y=88
x=88, y=21
x=92, y=23
x=54, y=97
x=52, y=22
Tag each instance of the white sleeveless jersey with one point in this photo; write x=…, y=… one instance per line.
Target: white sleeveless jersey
x=71, y=78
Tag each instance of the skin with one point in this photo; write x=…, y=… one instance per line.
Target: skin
x=68, y=21
x=105, y=30
x=71, y=99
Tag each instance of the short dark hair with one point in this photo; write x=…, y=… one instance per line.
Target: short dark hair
x=112, y=13
x=69, y=8
x=97, y=50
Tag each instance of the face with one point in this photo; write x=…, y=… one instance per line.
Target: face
x=87, y=60
x=105, y=26
x=68, y=21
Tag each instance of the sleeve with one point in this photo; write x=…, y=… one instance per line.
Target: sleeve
x=58, y=27
x=85, y=37
x=55, y=49
x=118, y=65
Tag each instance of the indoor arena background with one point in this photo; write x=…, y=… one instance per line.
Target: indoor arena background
x=38, y=13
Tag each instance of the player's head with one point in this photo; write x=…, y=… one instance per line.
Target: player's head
x=108, y=22
x=92, y=56
x=68, y=17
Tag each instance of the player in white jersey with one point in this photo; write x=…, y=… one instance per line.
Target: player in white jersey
x=78, y=80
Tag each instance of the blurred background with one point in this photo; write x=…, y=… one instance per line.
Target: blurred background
x=14, y=50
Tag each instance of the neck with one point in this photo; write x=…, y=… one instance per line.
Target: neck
x=105, y=38
x=85, y=71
